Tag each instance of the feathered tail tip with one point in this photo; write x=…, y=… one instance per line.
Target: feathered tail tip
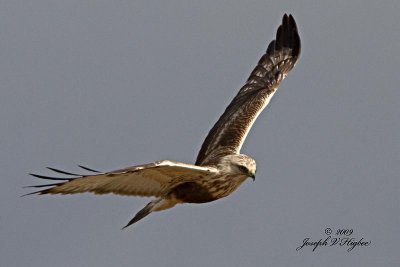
x=141, y=214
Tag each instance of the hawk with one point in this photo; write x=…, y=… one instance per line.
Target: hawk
x=220, y=168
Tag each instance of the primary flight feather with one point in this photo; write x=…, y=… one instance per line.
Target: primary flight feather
x=220, y=168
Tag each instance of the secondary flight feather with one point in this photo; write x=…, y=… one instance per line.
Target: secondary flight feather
x=220, y=168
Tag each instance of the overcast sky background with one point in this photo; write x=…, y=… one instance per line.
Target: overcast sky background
x=111, y=84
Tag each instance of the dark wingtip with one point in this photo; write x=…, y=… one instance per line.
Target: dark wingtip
x=287, y=35
x=296, y=37
x=285, y=18
x=88, y=169
x=292, y=21
x=32, y=193
x=41, y=185
x=50, y=178
x=40, y=192
x=62, y=172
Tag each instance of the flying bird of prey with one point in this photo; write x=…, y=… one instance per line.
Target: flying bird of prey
x=220, y=168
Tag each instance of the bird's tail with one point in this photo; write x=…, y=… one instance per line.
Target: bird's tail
x=155, y=205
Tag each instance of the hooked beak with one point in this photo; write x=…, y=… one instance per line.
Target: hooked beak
x=253, y=176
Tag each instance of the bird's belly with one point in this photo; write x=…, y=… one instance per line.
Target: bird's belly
x=206, y=190
x=191, y=192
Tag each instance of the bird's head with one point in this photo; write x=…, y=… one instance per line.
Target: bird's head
x=239, y=164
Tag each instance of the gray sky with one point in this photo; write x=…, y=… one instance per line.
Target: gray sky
x=111, y=84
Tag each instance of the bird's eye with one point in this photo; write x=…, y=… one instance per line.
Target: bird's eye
x=243, y=169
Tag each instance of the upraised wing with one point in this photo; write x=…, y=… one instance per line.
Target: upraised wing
x=228, y=134
x=154, y=179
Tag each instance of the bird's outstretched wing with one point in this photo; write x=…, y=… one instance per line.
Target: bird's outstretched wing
x=154, y=179
x=228, y=134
